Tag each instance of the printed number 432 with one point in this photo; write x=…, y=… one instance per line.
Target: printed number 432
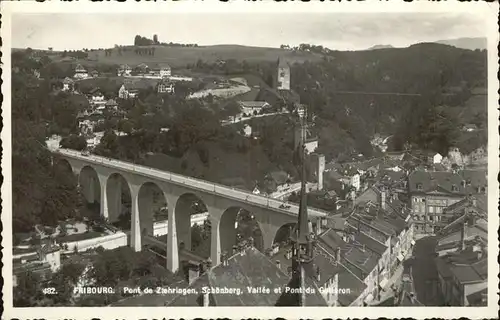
x=49, y=291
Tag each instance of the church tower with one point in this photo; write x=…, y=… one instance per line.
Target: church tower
x=282, y=75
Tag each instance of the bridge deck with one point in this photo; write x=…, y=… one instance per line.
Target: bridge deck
x=223, y=191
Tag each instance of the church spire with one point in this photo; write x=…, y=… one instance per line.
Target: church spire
x=301, y=236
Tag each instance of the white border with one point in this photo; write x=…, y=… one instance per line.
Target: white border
x=487, y=10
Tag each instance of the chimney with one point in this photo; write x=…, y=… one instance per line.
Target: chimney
x=206, y=299
x=479, y=254
x=310, y=227
x=382, y=200
x=463, y=235
x=235, y=249
x=278, y=264
x=321, y=169
x=337, y=254
x=474, y=202
x=319, y=221
x=209, y=263
x=318, y=274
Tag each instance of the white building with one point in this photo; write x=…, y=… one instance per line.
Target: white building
x=249, y=107
x=80, y=72
x=51, y=254
x=124, y=70
x=68, y=84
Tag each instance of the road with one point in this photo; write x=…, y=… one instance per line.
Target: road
x=424, y=272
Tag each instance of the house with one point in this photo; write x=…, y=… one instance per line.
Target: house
x=276, y=181
x=124, y=70
x=386, y=227
x=463, y=277
x=166, y=87
x=80, y=72
x=165, y=71
x=111, y=105
x=433, y=157
x=253, y=107
x=431, y=192
x=142, y=68
x=127, y=92
x=96, y=96
x=50, y=253
x=86, y=126
x=463, y=233
x=68, y=84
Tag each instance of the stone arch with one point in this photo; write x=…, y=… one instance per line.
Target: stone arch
x=118, y=194
x=283, y=233
x=152, y=208
x=236, y=225
x=60, y=163
x=189, y=204
x=90, y=189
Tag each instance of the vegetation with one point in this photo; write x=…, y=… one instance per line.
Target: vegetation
x=42, y=192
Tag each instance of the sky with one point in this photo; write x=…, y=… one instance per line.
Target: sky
x=338, y=31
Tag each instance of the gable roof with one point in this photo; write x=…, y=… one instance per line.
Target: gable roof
x=80, y=68
x=253, y=104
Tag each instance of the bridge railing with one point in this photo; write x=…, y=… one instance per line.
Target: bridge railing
x=194, y=182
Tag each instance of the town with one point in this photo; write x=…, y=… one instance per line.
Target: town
x=134, y=171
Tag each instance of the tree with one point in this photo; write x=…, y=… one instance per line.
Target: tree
x=28, y=290
x=232, y=109
x=109, y=146
x=74, y=141
x=196, y=236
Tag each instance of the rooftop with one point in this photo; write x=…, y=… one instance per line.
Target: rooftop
x=465, y=266
x=250, y=268
x=461, y=183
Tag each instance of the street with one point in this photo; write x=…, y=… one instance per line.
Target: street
x=424, y=272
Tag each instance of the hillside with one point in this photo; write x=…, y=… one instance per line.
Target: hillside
x=380, y=46
x=181, y=56
x=466, y=43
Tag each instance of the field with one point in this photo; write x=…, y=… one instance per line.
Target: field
x=179, y=57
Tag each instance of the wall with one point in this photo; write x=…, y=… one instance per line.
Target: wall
x=160, y=228
x=426, y=206
x=223, y=93
x=109, y=242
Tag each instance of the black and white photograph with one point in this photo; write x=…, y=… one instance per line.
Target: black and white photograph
x=251, y=159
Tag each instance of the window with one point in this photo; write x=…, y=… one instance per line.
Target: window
x=419, y=186
x=431, y=218
x=454, y=188
x=282, y=74
x=431, y=209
